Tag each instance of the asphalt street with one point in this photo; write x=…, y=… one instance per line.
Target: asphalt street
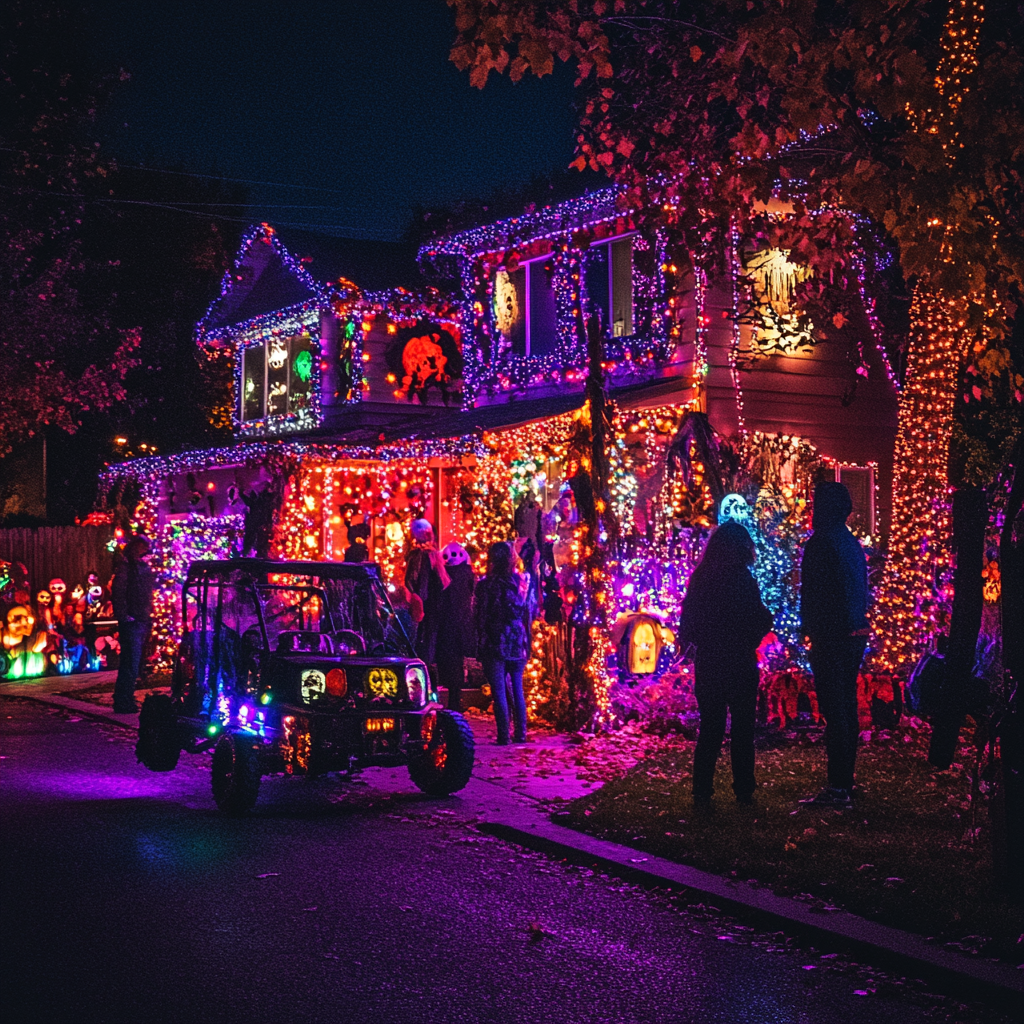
x=127, y=897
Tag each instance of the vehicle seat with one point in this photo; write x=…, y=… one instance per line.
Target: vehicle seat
x=300, y=641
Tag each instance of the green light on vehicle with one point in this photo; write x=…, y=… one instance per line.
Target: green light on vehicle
x=266, y=698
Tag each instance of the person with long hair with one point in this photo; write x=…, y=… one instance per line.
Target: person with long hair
x=426, y=577
x=502, y=615
x=725, y=619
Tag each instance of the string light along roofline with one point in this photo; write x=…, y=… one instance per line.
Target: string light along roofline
x=549, y=222
x=262, y=232
x=253, y=452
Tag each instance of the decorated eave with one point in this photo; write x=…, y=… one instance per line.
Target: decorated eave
x=256, y=452
x=548, y=222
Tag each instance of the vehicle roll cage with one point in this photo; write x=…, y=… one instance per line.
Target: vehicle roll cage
x=203, y=573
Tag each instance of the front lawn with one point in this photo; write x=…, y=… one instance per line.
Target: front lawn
x=911, y=853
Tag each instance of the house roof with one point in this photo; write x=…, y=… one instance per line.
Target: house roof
x=265, y=278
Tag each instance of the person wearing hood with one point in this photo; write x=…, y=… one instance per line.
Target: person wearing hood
x=833, y=614
x=132, y=593
x=725, y=619
x=455, y=633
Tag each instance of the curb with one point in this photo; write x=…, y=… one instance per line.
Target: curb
x=869, y=941
x=80, y=707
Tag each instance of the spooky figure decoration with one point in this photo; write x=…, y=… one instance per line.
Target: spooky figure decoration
x=23, y=645
x=44, y=607
x=424, y=356
x=58, y=590
x=640, y=638
x=506, y=302
x=779, y=327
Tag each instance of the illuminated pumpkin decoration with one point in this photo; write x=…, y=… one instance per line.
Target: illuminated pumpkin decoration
x=640, y=638
x=382, y=682
x=424, y=356
x=23, y=644
x=337, y=682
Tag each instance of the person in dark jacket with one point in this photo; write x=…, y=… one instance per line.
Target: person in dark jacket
x=455, y=639
x=502, y=615
x=725, y=619
x=833, y=613
x=132, y=594
x=426, y=578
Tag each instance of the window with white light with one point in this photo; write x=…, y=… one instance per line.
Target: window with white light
x=277, y=378
x=860, y=482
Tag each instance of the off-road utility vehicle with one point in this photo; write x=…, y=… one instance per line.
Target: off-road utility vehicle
x=303, y=668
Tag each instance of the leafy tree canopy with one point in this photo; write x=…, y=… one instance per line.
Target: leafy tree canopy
x=709, y=110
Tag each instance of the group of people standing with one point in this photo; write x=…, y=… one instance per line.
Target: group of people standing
x=457, y=616
x=725, y=620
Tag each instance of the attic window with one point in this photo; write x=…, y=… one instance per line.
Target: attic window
x=277, y=378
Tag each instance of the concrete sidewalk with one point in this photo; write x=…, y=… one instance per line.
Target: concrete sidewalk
x=515, y=787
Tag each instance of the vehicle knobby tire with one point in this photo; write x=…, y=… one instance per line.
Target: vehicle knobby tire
x=159, y=743
x=236, y=774
x=446, y=765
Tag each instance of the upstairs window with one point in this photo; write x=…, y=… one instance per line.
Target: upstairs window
x=277, y=378
x=609, y=279
x=524, y=308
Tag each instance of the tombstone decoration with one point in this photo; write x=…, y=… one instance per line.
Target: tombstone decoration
x=421, y=357
x=640, y=640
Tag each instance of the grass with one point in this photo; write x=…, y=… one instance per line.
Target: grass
x=912, y=853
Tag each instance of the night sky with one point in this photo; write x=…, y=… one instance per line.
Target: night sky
x=356, y=99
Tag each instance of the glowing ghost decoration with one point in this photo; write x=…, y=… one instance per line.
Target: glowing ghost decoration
x=734, y=507
x=278, y=355
x=302, y=367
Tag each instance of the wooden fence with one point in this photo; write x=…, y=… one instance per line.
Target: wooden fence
x=70, y=552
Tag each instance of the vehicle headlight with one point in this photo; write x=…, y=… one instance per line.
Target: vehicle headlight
x=416, y=684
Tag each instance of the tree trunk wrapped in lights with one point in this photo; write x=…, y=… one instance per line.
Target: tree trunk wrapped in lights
x=910, y=597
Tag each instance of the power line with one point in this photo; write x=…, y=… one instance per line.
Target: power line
x=240, y=181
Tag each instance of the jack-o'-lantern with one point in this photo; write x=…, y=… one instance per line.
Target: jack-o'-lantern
x=424, y=356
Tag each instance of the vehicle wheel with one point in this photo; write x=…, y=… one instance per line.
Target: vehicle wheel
x=236, y=775
x=159, y=745
x=447, y=763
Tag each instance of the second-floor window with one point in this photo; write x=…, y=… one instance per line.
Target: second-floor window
x=524, y=308
x=609, y=279
x=277, y=377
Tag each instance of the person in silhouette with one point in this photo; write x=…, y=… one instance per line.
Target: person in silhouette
x=725, y=620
